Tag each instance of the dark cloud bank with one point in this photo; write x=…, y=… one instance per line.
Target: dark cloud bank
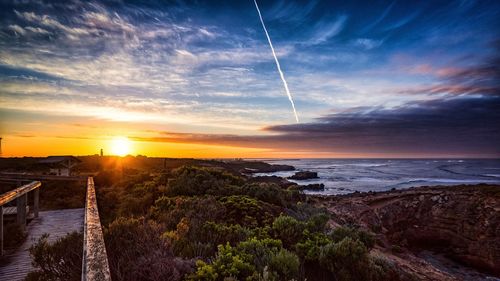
x=462, y=122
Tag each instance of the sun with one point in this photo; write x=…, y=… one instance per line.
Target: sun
x=120, y=146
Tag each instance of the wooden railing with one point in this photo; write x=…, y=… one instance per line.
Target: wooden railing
x=21, y=196
x=95, y=265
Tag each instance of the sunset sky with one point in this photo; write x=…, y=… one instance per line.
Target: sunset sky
x=198, y=79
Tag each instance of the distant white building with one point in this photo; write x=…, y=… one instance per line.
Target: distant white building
x=60, y=165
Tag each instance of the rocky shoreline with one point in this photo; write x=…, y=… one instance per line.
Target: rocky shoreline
x=434, y=233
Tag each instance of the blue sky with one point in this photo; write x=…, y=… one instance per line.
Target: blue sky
x=204, y=70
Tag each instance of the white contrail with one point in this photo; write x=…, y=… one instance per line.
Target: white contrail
x=277, y=63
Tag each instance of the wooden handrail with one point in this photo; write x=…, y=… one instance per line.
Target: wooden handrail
x=95, y=265
x=13, y=194
x=21, y=194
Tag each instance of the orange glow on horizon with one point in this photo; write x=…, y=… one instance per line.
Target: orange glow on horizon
x=20, y=146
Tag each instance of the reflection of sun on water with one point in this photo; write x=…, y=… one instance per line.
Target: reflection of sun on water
x=120, y=146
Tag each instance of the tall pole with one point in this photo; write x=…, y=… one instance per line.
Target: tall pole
x=0, y=147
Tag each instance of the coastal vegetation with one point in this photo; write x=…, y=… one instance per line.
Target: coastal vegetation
x=205, y=223
x=60, y=260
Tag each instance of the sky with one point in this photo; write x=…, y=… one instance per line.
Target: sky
x=198, y=78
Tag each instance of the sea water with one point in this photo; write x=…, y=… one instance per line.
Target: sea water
x=342, y=176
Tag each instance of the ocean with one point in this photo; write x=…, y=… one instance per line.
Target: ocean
x=342, y=176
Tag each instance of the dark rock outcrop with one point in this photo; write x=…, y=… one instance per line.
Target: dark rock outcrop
x=304, y=175
x=313, y=186
x=249, y=167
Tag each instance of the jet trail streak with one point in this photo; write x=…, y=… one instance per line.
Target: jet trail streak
x=277, y=63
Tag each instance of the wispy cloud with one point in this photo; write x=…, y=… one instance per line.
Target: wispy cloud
x=326, y=29
x=289, y=11
x=17, y=29
x=367, y=43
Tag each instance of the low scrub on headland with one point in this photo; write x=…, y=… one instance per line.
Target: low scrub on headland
x=195, y=223
x=57, y=261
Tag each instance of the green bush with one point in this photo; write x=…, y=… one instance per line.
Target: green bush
x=171, y=210
x=347, y=260
x=288, y=230
x=136, y=251
x=136, y=200
x=58, y=261
x=248, y=211
x=310, y=248
x=285, y=265
x=259, y=252
x=190, y=181
x=250, y=260
x=223, y=233
x=227, y=263
x=270, y=193
x=317, y=222
x=339, y=233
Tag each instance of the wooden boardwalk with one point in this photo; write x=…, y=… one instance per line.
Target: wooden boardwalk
x=57, y=223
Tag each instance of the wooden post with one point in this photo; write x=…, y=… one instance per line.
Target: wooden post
x=36, y=201
x=1, y=230
x=21, y=210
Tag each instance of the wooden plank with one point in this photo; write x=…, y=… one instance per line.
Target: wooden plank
x=11, y=211
x=95, y=265
x=57, y=223
x=13, y=194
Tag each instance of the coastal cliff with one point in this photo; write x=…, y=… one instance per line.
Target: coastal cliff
x=461, y=223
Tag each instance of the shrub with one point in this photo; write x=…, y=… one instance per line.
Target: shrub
x=199, y=210
x=339, y=233
x=347, y=260
x=138, y=198
x=270, y=193
x=227, y=263
x=253, y=259
x=136, y=251
x=217, y=234
x=185, y=241
x=248, y=211
x=288, y=230
x=317, y=222
x=61, y=260
x=310, y=248
x=190, y=181
x=285, y=264
x=62, y=195
x=259, y=252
